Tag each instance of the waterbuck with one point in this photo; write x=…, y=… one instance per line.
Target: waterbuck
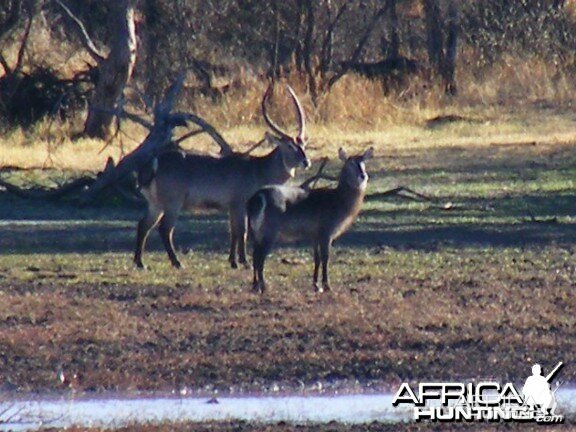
x=178, y=180
x=319, y=215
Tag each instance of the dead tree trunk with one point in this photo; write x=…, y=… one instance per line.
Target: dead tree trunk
x=158, y=139
x=114, y=71
x=395, y=37
x=434, y=37
x=308, y=50
x=449, y=65
x=441, y=52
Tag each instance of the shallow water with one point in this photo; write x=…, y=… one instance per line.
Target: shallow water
x=46, y=223
x=116, y=411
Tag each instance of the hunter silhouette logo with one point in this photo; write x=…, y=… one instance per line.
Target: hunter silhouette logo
x=484, y=400
x=537, y=392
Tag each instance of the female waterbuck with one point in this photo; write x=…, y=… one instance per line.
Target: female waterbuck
x=320, y=215
x=178, y=180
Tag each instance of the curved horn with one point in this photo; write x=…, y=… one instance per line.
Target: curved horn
x=269, y=121
x=299, y=113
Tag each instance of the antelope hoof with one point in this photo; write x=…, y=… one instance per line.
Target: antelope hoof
x=177, y=265
x=246, y=264
x=259, y=287
x=326, y=286
x=233, y=264
x=139, y=265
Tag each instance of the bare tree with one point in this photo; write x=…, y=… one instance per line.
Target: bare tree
x=442, y=51
x=391, y=49
x=449, y=67
x=9, y=20
x=359, y=49
x=114, y=70
x=317, y=44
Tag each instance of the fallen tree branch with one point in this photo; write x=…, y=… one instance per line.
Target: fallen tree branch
x=225, y=148
x=7, y=168
x=318, y=176
x=164, y=107
x=188, y=136
x=48, y=194
x=534, y=219
x=254, y=147
x=136, y=119
x=154, y=142
x=120, y=113
x=401, y=191
x=158, y=139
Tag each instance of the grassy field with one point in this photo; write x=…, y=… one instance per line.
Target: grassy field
x=477, y=282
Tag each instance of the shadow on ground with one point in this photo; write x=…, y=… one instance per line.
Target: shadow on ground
x=492, y=196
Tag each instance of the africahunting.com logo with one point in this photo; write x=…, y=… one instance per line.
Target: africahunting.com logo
x=484, y=400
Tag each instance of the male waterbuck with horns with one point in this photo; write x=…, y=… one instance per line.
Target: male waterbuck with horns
x=319, y=215
x=180, y=180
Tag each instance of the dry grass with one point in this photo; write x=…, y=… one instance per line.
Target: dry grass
x=482, y=127
x=518, y=81
x=356, y=104
x=518, y=100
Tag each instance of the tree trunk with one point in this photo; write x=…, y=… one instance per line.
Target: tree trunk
x=449, y=66
x=308, y=49
x=442, y=55
x=328, y=45
x=114, y=72
x=394, y=49
x=434, y=39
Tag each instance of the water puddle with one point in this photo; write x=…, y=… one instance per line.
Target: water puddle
x=46, y=223
x=24, y=415
x=110, y=411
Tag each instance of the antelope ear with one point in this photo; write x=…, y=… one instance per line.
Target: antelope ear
x=342, y=155
x=368, y=154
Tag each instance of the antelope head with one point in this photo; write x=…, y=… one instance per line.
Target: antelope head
x=291, y=147
x=353, y=173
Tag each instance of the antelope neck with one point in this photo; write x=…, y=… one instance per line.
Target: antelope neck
x=275, y=167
